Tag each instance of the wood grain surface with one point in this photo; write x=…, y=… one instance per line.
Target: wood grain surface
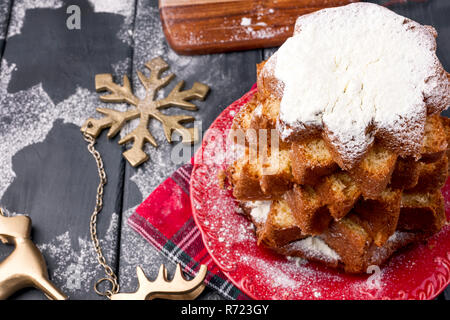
x=208, y=26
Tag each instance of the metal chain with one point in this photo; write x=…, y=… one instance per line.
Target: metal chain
x=111, y=276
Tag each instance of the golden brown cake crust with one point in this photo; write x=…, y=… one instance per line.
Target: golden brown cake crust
x=350, y=241
x=435, y=139
x=340, y=192
x=373, y=173
x=379, y=217
x=432, y=176
x=246, y=186
x=422, y=212
x=308, y=165
x=271, y=233
x=310, y=212
x=406, y=173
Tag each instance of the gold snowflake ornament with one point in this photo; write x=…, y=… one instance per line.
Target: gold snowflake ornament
x=145, y=109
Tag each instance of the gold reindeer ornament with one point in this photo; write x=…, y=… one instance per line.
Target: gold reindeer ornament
x=25, y=266
x=177, y=289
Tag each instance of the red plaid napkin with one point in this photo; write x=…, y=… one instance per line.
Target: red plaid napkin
x=165, y=220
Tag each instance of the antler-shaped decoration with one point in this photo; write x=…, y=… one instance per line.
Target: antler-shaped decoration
x=177, y=289
x=145, y=109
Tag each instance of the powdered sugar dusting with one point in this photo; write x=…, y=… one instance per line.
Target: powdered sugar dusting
x=136, y=251
x=20, y=8
x=4, y=16
x=31, y=114
x=260, y=210
x=349, y=68
x=246, y=21
x=74, y=269
x=316, y=247
x=32, y=122
x=122, y=7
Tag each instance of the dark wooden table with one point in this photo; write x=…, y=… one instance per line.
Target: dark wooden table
x=46, y=93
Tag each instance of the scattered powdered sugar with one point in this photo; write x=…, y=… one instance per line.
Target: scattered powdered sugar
x=315, y=247
x=351, y=67
x=298, y=260
x=26, y=118
x=136, y=251
x=31, y=114
x=316, y=293
x=4, y=17
x=244, y=231
x=396, y=239
x=122, y=7
x=74, y=270
x=233, y=151
x=249, y=28
x=287, y=276
x=246, y=21
x=397, y=236
x=280, y=279
x=263, y=32
x=20, y=8
x=260, y=210
x=258, y=110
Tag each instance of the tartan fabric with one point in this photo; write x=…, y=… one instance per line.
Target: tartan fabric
x=165, y=220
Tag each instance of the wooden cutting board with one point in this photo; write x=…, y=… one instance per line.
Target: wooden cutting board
x=208, y=26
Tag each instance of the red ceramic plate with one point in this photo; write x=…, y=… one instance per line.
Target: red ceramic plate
x=421, y=271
